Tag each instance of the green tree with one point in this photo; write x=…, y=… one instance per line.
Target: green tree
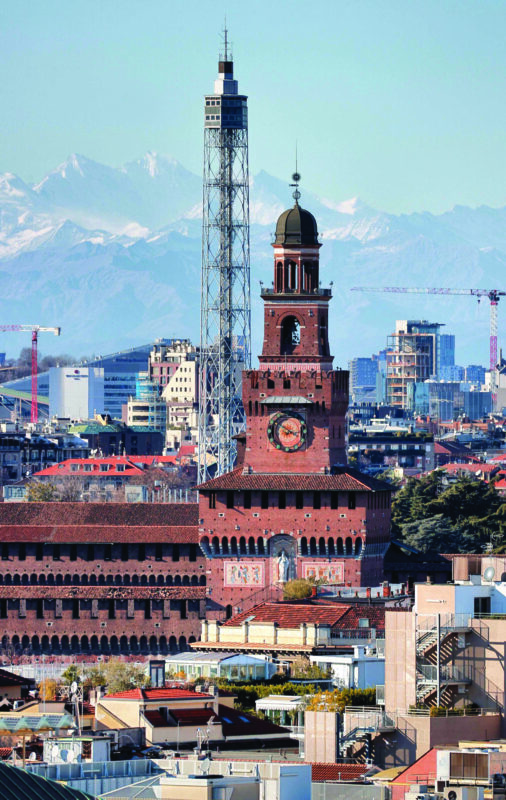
x=70, y=675
x=39, y=492
x=433, y=534
x=120, y=677
x=297, y=589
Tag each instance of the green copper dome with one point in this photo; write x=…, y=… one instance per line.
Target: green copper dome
x=296, y=227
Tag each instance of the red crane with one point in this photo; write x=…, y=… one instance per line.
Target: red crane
x=34, y=330
x=494, y=295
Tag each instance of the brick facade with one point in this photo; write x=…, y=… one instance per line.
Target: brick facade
x=292, y=508
x=100, y=577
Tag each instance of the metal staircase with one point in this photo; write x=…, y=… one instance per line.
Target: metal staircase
x=432, y=632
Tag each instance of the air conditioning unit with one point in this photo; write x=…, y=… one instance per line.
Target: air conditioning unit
x=462, y=793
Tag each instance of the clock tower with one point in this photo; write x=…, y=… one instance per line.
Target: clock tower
x=292, y=508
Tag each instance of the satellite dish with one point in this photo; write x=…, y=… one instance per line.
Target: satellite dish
x=71, y=756
x=489, y=574
x=205, y=766
x=55, y=752
x=73, y=687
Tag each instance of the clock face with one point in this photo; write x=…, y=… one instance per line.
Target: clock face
x=287, y=431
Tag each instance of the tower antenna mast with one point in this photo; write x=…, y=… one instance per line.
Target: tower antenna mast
x=225, y=324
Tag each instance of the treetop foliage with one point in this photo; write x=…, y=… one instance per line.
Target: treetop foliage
x=463, y=517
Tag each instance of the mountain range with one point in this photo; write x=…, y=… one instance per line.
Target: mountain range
x=112, y=255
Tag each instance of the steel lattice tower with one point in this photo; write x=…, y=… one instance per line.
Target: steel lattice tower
x=225, y=323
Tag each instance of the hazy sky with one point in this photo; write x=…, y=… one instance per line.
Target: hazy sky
x=401, y=102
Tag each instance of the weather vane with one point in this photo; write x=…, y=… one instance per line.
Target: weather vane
x=296, y=179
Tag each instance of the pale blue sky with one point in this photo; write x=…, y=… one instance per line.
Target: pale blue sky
x=401, y=102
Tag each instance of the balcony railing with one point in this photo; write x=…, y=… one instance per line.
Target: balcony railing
x=319, y=291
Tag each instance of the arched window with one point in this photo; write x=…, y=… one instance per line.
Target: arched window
x=216, y=545
x=202, y=580
x=349, y=546
x=290, y=335
x=303, y=546
x=331, y=546
x=261, y=547
x=224, y=545
x=126, y=580
x=242, y=546
x=168, y=580
x=321, y=547
x=194, y=580
x=340, y=548
x=251, y=546
x=279, y=276
x=233, y=546
x=186, y=580
x=292, y=275
x=312, y=546
x=228, y=612
x=358, y=546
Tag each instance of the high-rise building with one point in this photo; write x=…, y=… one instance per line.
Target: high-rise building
x=412, y=357
x=363, y=379
x=475, y=373
x=76, y=392
x=225, y=301
x=446, y=356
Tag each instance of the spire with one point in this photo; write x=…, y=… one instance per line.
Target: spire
x=296, y=179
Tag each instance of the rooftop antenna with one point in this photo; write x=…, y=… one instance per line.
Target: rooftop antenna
x=296, y=179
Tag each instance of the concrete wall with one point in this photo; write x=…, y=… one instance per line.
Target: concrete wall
x=400, y=672
x=321, y=736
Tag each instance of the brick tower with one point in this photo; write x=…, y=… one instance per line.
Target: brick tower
x=291, y=507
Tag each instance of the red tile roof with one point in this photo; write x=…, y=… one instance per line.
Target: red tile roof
x=90, y=534
x=192, y=716
x=338, y=772
x=104, y=592
x=158, y=694
x=124, y=514
x=99, y=522
x=486, y=469
x=130, y=466
x=156, y=719
x=292, y=615
x=345, y=479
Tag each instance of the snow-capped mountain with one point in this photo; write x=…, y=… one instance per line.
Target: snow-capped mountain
x=112, y=254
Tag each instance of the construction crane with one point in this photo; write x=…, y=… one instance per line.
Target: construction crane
x=34, y=330
x=493, y=295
